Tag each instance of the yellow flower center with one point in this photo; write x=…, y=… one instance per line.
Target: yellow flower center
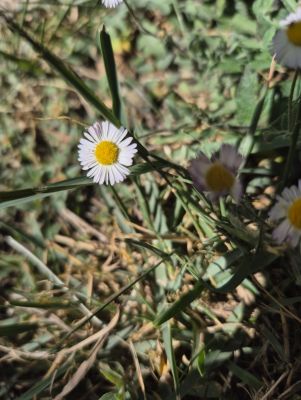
x=218, y=178
x=106, y=153
x=294, y=213
x=294, y=33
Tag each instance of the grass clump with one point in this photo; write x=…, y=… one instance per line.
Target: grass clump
x=170, y=284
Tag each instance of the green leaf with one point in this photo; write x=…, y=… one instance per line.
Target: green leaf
x=50, y=304
x=14, y=329
x=201, y=362
x=108, y=396
x=245, y=376
x=167, y=339
x=248, y=265
x=17, y=197
x=290, y=5
x=112, y=376
x=261, y=7
x=42, y=385
x=148, y=246
x=110, y=67
x=180, y=304
x=247, y=96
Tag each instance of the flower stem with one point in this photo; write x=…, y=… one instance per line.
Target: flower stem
x=138, y=23
x=295, y=130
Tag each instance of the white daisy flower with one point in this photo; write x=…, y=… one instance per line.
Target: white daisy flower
x=111, y=3
x=217, y=175
x=287, y=211
x=287, y=41
x=106, y=153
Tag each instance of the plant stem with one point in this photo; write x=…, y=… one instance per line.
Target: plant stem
x=295, y=130
x=138, y=23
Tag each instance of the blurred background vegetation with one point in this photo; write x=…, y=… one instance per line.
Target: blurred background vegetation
x=190, y=76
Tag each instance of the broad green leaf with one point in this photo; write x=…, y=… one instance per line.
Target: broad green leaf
x=246, y=98
x=290, y=5
x=261, y=7
x=248, y=265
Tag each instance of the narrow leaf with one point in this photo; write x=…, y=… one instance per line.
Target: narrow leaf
x=180, y=304
x=167, y=339
x=110, y=67
x=17, y=197
x=14, y=329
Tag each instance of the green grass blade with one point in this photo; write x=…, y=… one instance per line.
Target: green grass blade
x=245, y=376
x=18, y=197
x=110, y=67
x=14, y=329
x=167, y=339
x=179, y=305
x=42, y=385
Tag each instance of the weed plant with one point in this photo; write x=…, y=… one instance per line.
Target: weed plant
x=147, y=289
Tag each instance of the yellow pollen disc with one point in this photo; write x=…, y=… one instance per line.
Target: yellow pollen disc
x=218, y=178
x=294, y=213
x=106, y=153
x=294, y=33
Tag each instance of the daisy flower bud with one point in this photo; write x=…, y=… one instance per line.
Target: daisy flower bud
x=111, y=3
x=106, y=152
x=287, y=41
x=218, y=175
x=287, y=212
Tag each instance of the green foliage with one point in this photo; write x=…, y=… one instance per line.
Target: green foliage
x=208, y=303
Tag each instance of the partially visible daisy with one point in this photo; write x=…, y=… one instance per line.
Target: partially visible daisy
x=218, y=175
x=111, y=3
x=287, y=212
x=106, y=153
x=287, y=41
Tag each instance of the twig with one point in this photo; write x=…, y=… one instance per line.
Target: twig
x=273, y=387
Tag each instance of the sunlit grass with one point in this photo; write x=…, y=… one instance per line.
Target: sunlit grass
x=145, y=290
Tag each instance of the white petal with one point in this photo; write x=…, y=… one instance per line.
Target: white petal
x=125, y=142
x=118, y=175
x=123, y=170
x=294, y=237
x=122, y=135
x=280, y=233
x=93, y=171
x=102, y=176
x=92, y=130
x=111, y=3
x=292, y=17
x=286, y=53
x=236, y=191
